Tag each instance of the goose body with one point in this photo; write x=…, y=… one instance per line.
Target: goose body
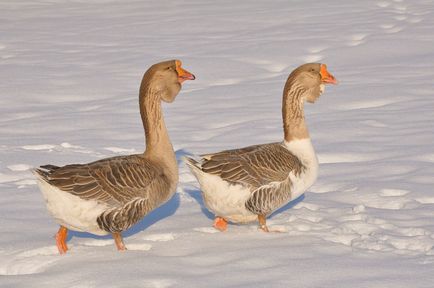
x=109, y=196
x=105, y=196
x=240, y=199
x=250, y=183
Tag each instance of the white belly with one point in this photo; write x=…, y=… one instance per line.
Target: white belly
x=225, y=200
x=71, y=211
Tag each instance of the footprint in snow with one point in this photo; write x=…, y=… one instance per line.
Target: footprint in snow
x=397, y=244
x=309, y=206
x=389, y=204
x=28, y=262
x=271, y=228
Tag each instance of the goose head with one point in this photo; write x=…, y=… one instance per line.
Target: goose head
x=165, y=79
x=311, y=78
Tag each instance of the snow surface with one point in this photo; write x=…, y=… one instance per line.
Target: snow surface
x=70, y=72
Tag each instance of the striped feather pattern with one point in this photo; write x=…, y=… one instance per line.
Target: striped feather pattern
x=264, y=169
x=122, y=218
x=125, y=183
x=268, y=198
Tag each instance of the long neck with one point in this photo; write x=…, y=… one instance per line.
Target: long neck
x=294, y=125
x=158, y=145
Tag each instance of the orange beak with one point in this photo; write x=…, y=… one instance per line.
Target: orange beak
x=182, y=73
x=326, y=77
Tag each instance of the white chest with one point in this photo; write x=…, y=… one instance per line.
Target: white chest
x=304, y=151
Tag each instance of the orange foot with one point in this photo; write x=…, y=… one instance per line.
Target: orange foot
x=220, y=224
x=264, y=228
x=119, y=241
x=263, y=223
x=61, y=236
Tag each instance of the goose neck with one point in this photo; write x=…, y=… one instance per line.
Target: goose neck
x=294, y=124
x=158, y=145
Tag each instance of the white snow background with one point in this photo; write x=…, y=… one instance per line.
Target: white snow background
x=69, y=78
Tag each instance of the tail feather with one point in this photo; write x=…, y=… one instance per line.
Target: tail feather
x=44, y=171
x=194, y=165
x=191, y=162
x=49, y=167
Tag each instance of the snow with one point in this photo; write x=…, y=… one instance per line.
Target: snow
x=68, y=94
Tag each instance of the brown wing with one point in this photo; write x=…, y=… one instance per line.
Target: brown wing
x=268, y=198
x=253, y=166
x=114, y=180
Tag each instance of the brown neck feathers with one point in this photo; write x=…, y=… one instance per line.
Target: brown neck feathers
x=157, y=138
x=294, y=125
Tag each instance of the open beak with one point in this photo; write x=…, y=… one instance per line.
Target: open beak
x=182, y=73
x=326, y=77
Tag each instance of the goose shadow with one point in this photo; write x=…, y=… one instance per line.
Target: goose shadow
x=166, y=210
x=196, y=194
x=288, y=206
x=180, y=154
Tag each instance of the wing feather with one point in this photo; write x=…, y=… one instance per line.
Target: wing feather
x=252, y=166
x=114, y=180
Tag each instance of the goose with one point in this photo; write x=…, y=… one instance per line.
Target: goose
x=109, y=196
x=248, y=184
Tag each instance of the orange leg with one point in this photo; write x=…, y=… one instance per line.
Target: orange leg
x=119, y=241
x=61, y=236
x=263, y=223
x=220, y=224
